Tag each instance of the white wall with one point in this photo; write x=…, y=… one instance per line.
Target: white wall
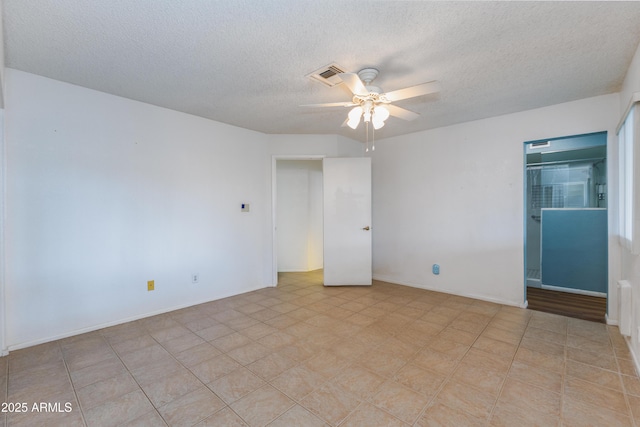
x=299, y=215
x=630, y=265
x=454, y=196
x=105, y=193
x=3, y=309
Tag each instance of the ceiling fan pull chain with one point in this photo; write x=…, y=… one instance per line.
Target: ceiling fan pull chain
x=367, y=135
x=373, y=139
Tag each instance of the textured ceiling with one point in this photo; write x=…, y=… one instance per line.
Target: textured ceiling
x=244, y=62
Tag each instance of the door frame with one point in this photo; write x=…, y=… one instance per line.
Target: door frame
x=274, y=205
x=611, y=198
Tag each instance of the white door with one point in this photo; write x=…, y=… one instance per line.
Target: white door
x=347, y=221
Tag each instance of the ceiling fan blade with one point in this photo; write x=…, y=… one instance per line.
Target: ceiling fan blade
x=413, y=91
x=354, y=83
x=332, y=104
x=401, y=112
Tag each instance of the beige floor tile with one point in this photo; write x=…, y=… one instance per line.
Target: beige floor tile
x=602, y=346
x=191, y=408
x=119, y=410
x=359, y=381
x=599, y=360
x=145, y=356
x=550, y=322
x=627, y=367
x=214, y=332
x=577, y=414
x=400, y=401
x=271, y=365
x=440, y=415
x=171, y=386
x=593, y=374
x=149, y=419
x=434, y=361
x=281, y=322
x=300, y=351
x=231, y=342
x=631, y=385
x=506, y=415
x=492, y=346
x=298, y=382
x=452, y=348
x=591, y=394
x=236, y=384
x=369, y=415
x=331, y=403
x=485, y=379
x=214, y=368
x=590, y=330
x=182, y=343
x=634, y=403
x=108, y=389
x=464, y=398
x=350, y=348
x=348, y=356
x=262, y=406
x=167, y=334
x=38, y=383
x=98, y=372
x=527, y=398
x=546, y=335
x=136, y=343
x=198, y=354
x=201, y=323
x=258, y=331
x=542, y=346
x=225, y=417
x=508, y=336
x=419, y=379
x=277, y=340
x=326, y=363
x=539, y=377
x=383, y=363
x=249, y=353
x=299, y=417
x=537, y=359
x=45, y=419
x=155, y=371
x=497, y=362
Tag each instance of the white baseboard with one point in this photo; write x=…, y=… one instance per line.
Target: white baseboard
x=117, y=322
x=634, y=355
x=429, y=288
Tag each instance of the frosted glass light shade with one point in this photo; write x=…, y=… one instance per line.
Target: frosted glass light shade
x=354, y=117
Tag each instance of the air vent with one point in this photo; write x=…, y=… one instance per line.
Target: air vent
x=327, y=75
x=541, y=144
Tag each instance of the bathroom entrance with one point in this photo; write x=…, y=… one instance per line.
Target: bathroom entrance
x=566, y=215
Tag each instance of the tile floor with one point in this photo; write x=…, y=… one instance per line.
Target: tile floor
x=305, y=355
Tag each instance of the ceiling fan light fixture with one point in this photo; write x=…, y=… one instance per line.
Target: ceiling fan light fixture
x=381, y=113
x=354, y=117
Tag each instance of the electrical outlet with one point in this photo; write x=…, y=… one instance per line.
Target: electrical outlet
x=195, y=278
x=151, y=285
x=435, y=269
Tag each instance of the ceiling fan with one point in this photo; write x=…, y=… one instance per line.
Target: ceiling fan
x=373, y=105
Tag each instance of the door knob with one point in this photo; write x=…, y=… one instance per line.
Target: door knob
x=366, y=228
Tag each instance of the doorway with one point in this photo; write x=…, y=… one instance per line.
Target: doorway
x=566, y=217
x=298, y=215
